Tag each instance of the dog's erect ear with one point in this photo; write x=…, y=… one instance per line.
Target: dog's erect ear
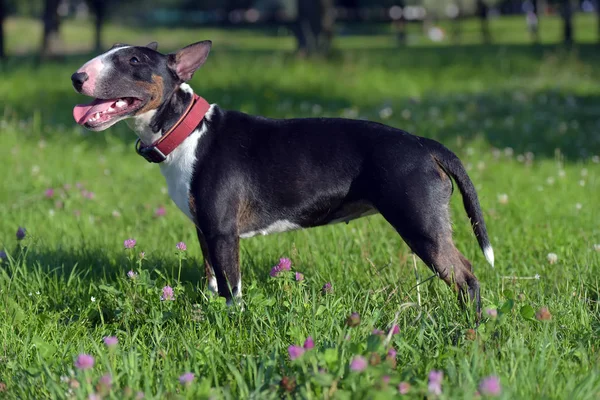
x=153, y=46
x=187, y=60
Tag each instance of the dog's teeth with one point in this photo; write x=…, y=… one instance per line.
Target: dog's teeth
x=121, y=103
x=97, y=115
x=111, y=109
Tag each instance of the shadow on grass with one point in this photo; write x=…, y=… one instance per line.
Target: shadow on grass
x=537, y=121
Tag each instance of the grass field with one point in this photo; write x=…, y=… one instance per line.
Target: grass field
x=525, y=121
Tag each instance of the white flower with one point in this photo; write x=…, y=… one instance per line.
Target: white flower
x=536, y=276
x=584, y=172
x=582, y=183
x=406, y=114
x=552, y=258
x=503, y=198
x=597, y=247
x=38, y=292
x=385, y=113
x=562, y=173
x=578, y=206
x=550, y=180
x=93, y=299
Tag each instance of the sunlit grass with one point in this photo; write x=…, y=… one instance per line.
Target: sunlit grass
x=524, y=122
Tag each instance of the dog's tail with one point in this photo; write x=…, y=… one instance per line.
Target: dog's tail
x=450, y=163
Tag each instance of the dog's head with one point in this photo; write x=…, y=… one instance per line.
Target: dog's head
x=128, y=81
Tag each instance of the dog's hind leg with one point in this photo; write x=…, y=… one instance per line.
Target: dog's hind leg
x=419, y=213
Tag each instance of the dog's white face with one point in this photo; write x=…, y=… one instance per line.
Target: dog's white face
x=127, y=81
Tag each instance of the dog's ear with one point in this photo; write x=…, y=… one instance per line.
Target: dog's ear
x=187, y=60
x=152, y=45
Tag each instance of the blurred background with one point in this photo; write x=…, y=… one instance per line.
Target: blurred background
x=53, y=27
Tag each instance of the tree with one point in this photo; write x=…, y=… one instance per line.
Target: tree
x=598, y=12
x=567, y=14
x=314, y=26
x=2, y=16
x=482, y=12
x=51, y=22
x=99, y=8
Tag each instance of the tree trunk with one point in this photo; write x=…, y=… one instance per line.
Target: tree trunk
x=99, y=9
x=2, y=16
x=51, y=25
x=567, y=14
x=314, y=26
x=598, y=12
x=482, y=12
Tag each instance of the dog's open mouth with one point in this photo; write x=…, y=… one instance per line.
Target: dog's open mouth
x=102, y=111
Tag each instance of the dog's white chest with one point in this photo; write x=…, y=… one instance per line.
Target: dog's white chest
x=178, y=171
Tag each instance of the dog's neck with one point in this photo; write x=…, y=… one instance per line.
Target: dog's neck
x=151, y=125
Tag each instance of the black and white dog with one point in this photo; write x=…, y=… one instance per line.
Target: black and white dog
x=236, y=175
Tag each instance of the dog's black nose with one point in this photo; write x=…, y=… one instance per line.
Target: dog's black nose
x=78, y=78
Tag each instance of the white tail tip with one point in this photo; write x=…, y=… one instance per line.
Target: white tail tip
x=489, y=254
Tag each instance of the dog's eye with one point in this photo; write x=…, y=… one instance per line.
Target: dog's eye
x=134, y=60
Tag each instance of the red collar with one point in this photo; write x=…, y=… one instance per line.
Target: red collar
x=158, y=151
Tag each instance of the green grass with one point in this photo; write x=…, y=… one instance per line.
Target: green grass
x=523, y=119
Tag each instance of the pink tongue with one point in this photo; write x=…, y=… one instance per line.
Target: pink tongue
x=82, y=112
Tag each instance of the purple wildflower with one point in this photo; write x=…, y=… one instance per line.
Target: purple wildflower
x=132, y=274
x=358, y=364
x=160, y=212
x=186, y=378
x=139, y=395
x=285, y=264
x=181, y=246
x=309, y=343
x=94, y=396
x=377, y=332
x=49, y=193
x=3, y=255
x=105, y=381
x=327, y=288
x=110, y=341
x=392, y=353
x=403, y=387
x=490, y=386
x=492, y=313
x=275, y=271
x=395, y=330
x=299, y=276
x=353, y=320
x=295, y=352
x=84, y=361
x=21, y=233
x=385, y=379
x=129, y=243
x=167, y=293
x=435, y=382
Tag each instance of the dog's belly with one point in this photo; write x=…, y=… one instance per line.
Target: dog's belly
x=345, y=213
x=349, y=211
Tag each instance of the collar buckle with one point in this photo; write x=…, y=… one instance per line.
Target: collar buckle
x=151, y=153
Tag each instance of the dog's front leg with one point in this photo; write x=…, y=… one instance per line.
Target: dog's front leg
x=208, y=269
x=223, y=255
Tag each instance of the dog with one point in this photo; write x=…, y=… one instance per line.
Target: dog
x=236, y=176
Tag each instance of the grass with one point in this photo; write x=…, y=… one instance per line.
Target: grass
x=524, y=121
